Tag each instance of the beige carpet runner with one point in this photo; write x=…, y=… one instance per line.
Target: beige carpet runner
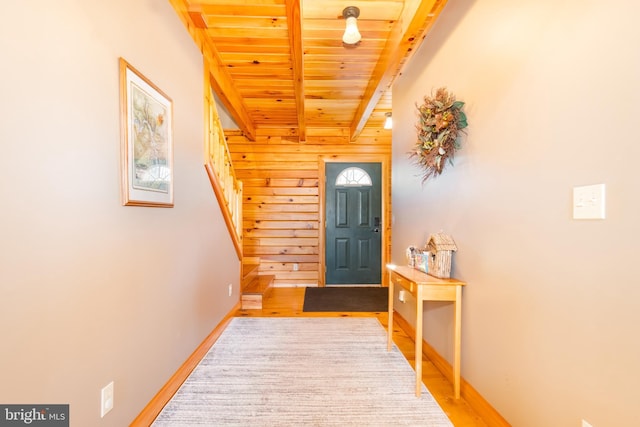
x=302, y=372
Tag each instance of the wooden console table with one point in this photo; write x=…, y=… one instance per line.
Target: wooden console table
x=427, y=288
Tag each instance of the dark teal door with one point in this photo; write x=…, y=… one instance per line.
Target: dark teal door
x=353, y=221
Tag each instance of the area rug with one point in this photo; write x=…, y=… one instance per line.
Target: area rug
x=346, y=298
x=302, y=372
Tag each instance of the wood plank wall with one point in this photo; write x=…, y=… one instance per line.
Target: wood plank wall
x=281, y=202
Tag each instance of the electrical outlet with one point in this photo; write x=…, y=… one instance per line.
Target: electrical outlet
x=230, y=289
x=106, y=399
x=296, y=267
x=402, y=296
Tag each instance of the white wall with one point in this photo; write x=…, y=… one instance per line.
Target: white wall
x=550, y=313
x=92, y=291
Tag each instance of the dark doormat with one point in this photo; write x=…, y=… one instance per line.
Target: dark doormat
x=347, y=298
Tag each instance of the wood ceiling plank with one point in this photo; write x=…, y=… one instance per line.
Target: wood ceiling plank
x=322, y=47
x=267, y=85
x=320, y=58
x=266, y=43
x=268, y=93
x=334, y=84
x=249, y=57
x=281, y=64
x=320, y=28
x=219, y=3
x=338, y=66
x=330, y=105
x=248, y=22
x=218, y=77
x=339, y=74
x=224, y=87
x=255, y=33
x=268, y=136
x=336, y=43
x=341, y=77
x=266, y=103
x=261, y=69
x=262, y=75
x=369, y=9
x=234, y=9
x=335, y=94
x=226, y=47
x=329, y=131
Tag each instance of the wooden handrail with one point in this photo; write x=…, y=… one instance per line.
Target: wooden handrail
x=227, y=188
x=217, y=162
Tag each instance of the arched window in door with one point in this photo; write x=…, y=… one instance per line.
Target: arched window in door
x=353, y=177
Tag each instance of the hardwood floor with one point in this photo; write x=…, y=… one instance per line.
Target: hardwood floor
x=287, y=302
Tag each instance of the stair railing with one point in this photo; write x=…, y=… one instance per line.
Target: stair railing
x=227, y=187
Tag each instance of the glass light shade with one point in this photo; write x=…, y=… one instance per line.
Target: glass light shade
x=351, y=33
x=388, y=121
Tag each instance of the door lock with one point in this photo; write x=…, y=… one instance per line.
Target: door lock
x=376, y=224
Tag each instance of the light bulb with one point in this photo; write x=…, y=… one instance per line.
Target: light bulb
x=388, y=121
x=351, y=33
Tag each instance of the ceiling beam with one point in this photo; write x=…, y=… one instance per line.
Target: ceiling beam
x=221, y=80
x=224, y=87
x=407, y=34
x=295, y=41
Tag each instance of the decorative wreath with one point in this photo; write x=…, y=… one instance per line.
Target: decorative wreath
x=440, y=123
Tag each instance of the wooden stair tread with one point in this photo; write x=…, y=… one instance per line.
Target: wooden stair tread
x=249, y=275
x=256, y=291
x=248, y=269
x=259, y=285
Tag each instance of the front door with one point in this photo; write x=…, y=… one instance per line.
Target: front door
x=353, y=223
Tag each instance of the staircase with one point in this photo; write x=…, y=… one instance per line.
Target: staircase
x=254, y=287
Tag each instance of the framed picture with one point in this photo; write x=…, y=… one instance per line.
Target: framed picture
x=147, y=141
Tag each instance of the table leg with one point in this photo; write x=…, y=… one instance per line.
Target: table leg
x=457, y=334
x=418, y=338
x=390, y=320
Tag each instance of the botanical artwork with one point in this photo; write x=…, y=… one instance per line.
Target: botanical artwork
x=440, y=123
x=151, y=168
x=147, y=145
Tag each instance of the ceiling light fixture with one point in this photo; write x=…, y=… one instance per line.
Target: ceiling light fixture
x=388, y=121
x=351, y=34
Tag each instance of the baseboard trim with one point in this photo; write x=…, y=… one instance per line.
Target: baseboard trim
x=155, y=405
x=475, y=400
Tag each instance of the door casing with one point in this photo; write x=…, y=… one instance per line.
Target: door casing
x=384, y=160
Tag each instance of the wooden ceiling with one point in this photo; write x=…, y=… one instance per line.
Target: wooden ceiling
x=282, y=63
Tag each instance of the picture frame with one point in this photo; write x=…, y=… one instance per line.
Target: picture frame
x=146, y=115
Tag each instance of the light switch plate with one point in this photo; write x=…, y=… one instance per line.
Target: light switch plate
x=106, y=399
x=589, y=202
